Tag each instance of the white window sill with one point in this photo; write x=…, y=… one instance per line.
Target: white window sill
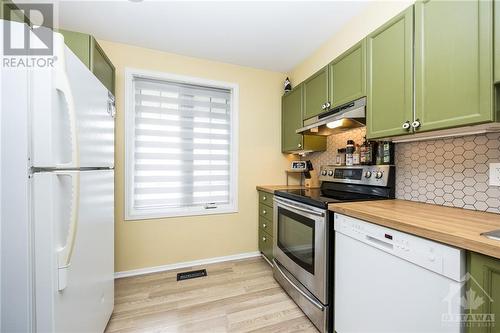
x=159, y=214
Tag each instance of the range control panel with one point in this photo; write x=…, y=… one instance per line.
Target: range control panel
x=376, y=175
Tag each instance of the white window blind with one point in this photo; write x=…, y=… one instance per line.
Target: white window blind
x=182, y=148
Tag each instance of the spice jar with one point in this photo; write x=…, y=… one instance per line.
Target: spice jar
x=340, y=157
x=349, y=152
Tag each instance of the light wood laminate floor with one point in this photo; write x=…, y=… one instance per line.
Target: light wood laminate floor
x=236, y=296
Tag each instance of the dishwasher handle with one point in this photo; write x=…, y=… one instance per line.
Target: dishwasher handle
x=373, y=240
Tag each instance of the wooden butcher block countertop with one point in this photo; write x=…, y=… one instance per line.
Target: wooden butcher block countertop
x=272, y=188
x=459, y=227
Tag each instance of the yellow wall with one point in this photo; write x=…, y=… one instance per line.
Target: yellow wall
x=148, y=243
x=374, y=15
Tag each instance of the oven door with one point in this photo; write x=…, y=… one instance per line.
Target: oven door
x=301, y=244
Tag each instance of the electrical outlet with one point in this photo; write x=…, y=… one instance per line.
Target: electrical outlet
x=494, y=174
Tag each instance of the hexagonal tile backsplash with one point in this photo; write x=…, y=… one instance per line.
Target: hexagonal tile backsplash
x=451, y=172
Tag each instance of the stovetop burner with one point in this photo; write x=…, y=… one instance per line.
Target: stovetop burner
x=344, y=184
x=321, y=198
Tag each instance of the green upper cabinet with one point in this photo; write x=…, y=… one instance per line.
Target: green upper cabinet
x=291, y=120
x=91, y=54
x=101, y=66
x=315, y=93
x=484, y=285
x=496, y=34
x=10, y=11
x=347, y=75
x=79, y=43
x=453, y=63
x=341, y=81
x=390, y=77
x=291, y=117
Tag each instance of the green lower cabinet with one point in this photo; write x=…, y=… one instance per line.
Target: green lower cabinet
x=266, y=244
x=453, y=63
x=266, y=224
x=315, y=93
x=390, y=78
x=266, y=211
x=483, y=293
x=347, y=75
x=92, y=55
x=266, y=198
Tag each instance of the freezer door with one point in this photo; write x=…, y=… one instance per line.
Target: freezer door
x=72, y=115
x=73, y=218
x=15, y=252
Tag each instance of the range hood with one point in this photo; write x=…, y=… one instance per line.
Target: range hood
x=340, y=119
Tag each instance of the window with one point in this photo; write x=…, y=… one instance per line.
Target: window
x=181, y=146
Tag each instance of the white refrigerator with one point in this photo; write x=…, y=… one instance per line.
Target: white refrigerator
x=57, y=196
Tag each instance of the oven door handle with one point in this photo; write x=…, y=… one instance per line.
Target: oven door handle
x=312, y=301
x=305, y=210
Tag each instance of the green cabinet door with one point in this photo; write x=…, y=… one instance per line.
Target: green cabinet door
x=484, y=288
x=453, y=63
x=10, y=11
x=496, y=34
x=79, y=43
x=291, y=120
x=101, y=66
x=266, y=245
x=315, y=93
x=291, y=117
x=86, y=48
x=347, y=77
x=390, y=77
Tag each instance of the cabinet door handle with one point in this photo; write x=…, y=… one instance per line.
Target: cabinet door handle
x=264, y=212
x=328, y=104
x=264, y=225
x=416, y=124
x=264, y=239
x=264, y=198
x=406, y=125
x=299, y=145
x=323, y=107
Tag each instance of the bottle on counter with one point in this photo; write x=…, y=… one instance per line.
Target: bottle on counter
x=368, y=152
x=385, y=153
x=349, y=152
x=362, y=152
x=340, y=157
x=379, y=156
x=388, y=149
x=356, y=156
x=372, y=153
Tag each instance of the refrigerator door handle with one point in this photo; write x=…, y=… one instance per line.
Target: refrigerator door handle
x=66, y=252
x=62, y=86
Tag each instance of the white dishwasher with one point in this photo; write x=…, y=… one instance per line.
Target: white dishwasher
x=389, y=281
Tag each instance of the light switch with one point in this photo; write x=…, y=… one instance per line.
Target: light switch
x=494, y=174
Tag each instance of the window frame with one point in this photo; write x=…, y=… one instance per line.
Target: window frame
x=132, y=214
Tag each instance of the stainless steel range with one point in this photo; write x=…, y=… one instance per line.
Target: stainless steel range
x=303, y=245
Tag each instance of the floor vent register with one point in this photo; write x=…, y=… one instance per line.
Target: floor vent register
x=191, y=274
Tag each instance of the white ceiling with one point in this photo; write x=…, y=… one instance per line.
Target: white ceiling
x=268, y=35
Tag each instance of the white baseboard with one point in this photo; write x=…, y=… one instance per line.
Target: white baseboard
x=155, y=269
